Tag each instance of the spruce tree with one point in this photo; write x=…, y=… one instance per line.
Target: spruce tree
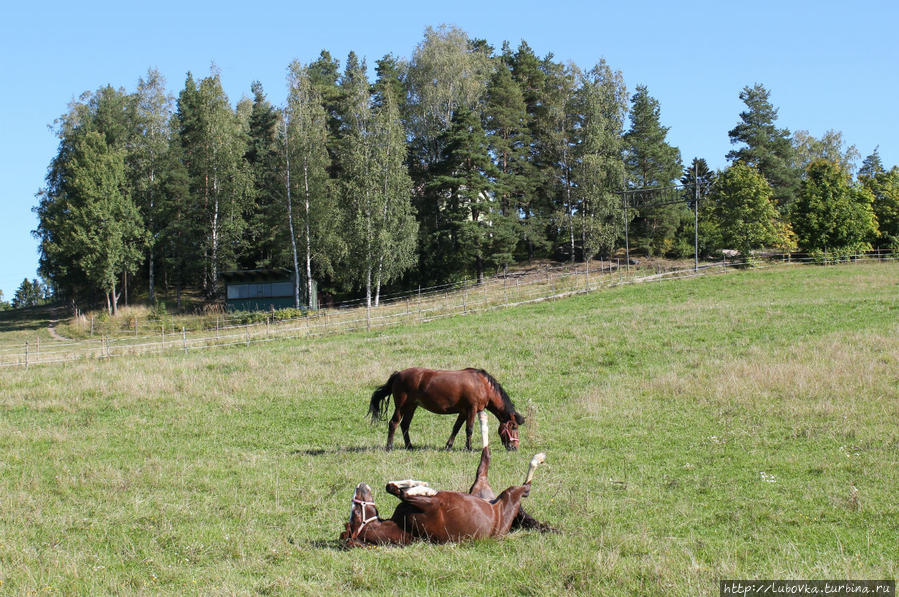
x=214, y=148
x=264, y=236
x=651, y=163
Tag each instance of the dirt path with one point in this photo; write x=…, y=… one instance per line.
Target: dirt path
x=51, y=327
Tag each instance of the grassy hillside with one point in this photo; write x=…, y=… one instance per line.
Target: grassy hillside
x=736, y=426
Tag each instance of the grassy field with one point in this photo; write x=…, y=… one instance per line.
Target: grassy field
x=734, y=426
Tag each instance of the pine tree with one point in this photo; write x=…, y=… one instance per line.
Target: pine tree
x=871, y=167
x=765, y=147
x=530, y=73
x=506, y=125
x=88, y=191
x=325, y=74
x=470, y=233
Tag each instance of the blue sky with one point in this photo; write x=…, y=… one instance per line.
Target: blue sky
x=828, y=65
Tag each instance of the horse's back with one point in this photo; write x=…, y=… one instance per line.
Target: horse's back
x=443, y=391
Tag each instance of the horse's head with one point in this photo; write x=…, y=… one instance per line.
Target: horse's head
x=362, y=512
x=508, y=431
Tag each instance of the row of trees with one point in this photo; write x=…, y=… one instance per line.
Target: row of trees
x=456, y=162
x=30, y=293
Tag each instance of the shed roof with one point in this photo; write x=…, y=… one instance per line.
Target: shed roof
x=265, y=273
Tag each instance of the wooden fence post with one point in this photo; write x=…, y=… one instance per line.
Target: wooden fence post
x=184, y=338
x=26, y=354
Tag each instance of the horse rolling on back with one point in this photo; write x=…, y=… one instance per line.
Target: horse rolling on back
x=462, y=393
x=440, y=516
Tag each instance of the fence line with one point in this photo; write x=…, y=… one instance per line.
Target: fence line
x=439, y=302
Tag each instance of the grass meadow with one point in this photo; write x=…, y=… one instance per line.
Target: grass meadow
x=721, y=427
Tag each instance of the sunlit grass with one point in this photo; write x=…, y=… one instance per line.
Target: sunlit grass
x=694, y=430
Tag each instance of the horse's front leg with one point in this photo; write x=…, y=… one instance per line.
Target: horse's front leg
x=456, y=427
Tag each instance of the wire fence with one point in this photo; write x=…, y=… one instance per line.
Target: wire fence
x=424, y=305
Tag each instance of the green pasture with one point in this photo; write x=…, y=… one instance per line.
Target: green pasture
x=737, y=426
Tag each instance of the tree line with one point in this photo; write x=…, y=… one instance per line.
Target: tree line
x=459, y=161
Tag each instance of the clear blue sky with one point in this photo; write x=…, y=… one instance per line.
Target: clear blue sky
x=828, y=64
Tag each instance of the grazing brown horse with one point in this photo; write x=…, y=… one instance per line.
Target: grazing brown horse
x=438, y=516
x=463, y=392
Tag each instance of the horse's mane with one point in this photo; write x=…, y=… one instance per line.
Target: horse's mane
x=508, y=407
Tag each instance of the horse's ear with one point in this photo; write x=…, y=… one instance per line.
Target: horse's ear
x=519, y=419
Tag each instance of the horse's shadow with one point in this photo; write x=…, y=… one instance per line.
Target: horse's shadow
x=364, y=449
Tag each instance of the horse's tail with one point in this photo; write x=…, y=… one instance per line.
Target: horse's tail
x=377, y=406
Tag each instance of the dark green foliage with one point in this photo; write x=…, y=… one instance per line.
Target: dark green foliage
x=265, y=242
x=509, y=141
x=90, y=230
x=30, y=293
x=470, y=231
x=213, y=149
x=709, y=237
x=651, y=162
x=764, y=146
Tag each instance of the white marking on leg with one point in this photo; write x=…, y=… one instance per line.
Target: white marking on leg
x=422, y=490
x=485, y=433
x=406, y=483
x=536, y=461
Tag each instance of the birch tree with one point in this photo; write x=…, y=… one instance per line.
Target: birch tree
x=306, y=177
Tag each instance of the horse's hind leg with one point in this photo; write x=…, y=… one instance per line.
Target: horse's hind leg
x=469, y=428
x=394, y=421
x=456, y=427
x=404, y=426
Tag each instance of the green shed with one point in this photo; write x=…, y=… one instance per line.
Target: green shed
x=264, y=289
